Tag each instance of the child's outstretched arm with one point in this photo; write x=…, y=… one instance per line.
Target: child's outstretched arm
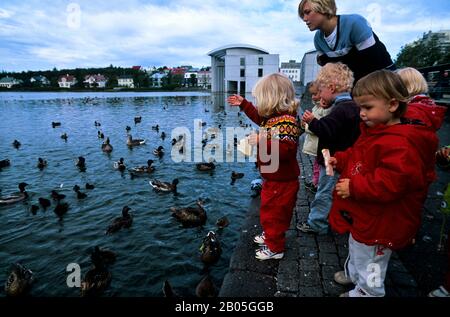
x=246, y=106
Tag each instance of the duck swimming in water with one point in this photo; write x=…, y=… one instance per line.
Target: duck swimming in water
x=44, y=202
x=142, y=170
x=164, y=186
x=41, y=163
x=4, y=163
x=128, y=128
x=57, y=196
x=89, y=186
x=206, y=288
x=16, y=197
x=19, y=281
x=100, y=135
x=137, y=120
x=134, y=142
x=159, y=151
x=121, y=222
x=235, y=175
x=56, y=124
x=102, y=257
x=163, y=136
x=61, y=209
x=190, y=217
x=206, y=166
x=222, y=222
x=120, y=165
x=64, y=136
x=107, y=147
x=95, y=281
x=80, y=195
x=211, y=249
x=16, y=144
x=81, y=163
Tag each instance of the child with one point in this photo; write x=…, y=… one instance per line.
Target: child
x=384, y=182
x=337, y=131
x=276, y=114
x=344, y=38
x=311, y=142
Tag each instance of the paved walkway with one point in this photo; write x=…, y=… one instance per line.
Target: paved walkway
x=309, y=262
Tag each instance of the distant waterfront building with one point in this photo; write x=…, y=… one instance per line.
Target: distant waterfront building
x=191, y=78
x=40, y=80
x=292, y=70
x=178, y=71
x=98, y=81
x=442, y=36
x=136, y=67
x=9, y=82
x=238, y=67
x=310, y=69
x=204, y=79
x=157, y=79
x=67, y=81
x=125, y=81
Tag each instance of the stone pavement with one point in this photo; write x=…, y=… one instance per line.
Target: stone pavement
x=309, y=262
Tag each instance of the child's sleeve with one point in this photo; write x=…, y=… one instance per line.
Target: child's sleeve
x=342, y=159
x=399, y=170
x=251, y=111
x=328, y=126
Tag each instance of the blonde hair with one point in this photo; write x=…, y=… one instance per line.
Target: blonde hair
x=275, y=94
x=384, y=84
x=337, y=74
x=325, y=7
x=314, y=85
x=413, y=80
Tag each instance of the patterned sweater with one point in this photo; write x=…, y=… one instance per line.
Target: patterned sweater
x=281, y=166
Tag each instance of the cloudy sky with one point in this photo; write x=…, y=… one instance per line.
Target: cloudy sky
x=42, y=34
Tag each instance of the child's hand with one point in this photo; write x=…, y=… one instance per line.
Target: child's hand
x=333, y=162
x=235, y=100
x=343, y=188
x=308, y=117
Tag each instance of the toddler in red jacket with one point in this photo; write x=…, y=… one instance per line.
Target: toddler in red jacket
x=277, y=142
x=384, y=181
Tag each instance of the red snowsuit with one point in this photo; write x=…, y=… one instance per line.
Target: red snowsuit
x=279, y=190
x=390, y=169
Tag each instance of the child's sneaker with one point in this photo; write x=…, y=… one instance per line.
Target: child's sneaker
x=265, y=254
x=305, y=227
x=342, y=279
x=440, y=292
x=260, y=238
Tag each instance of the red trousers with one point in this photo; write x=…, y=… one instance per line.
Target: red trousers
x=277, y=205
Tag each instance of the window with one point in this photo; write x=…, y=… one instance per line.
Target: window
x=242, y=61
x=242, y=72
x=260, y=72
x=260, y=61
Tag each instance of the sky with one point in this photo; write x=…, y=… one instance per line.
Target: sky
x=43, y=34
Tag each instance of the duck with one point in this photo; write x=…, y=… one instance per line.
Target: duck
x=190, y=217
x=81, y=163
x=140, y=170
x=95, y=281
x=97, y=124
x=120, y=165
x=19, y=280
x=163, y=136
x=44, y=202
x=80, y=195
x=102, y=257
x=235, y=175
x=164, y=186
x=61, y=209
x=134, y=142
x=4, y=163
x=222, y=222
x=206, y=166
x=34, y=209
x=41, y=163
x=174, y=141
x=128, y=128
x=211, y=249
x=121, y=222
x=57, y=196
x=159, y=151
x=16, y=144
x=155, y=127
x=206, y=288
x=64, y=136
x=16, y=197
x=89, y=186
x=107, y=147
x=56, y=124
x=137, y=120
x=100, y=135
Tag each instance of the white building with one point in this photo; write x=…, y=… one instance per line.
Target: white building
x=238, y=67
x=125, y=81
x=98, y=81
x=157, y=79
x=310, y=69
x=8, y=82
x=292, y=70
x=190, y=77
x=204, y=79
x=67, y=81
x=41, y=80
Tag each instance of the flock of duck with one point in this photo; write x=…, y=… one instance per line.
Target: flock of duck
x=97, y=279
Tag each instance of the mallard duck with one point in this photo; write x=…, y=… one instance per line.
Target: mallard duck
x=137, y=119
x=107, y=147
x=81, y=163
x=80, y=195
x=164, y=186
x=4, y=163
x=121, y=222
x=19, y=281
x=222, y=222
x=16, y=197
x=211, y=249
x=159, y=151
x=206, y=166
x=56, y=124
x=190, y=217
x=134, y=142
x=16, y=144
x=120, y=165
x=41, y=163
x=141, y=170
x=102, y=257
x=57, y=196
x=206, y=288
x=61, y=209
x=64, y=136
x=44, y=202
x=95, y=281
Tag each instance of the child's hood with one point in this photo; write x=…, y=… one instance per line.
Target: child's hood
x=424, y=109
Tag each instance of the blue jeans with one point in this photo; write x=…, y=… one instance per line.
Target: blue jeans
x=321, y=205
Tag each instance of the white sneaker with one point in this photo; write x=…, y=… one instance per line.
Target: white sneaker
x=260, y=238
x=440, y=292
x=265, y=254
x=342, y=279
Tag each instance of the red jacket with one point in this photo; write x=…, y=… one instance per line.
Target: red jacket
x=289, y=132
x=390, y=169
x=423, y=108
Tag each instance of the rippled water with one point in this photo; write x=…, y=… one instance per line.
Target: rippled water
x=156, y=248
